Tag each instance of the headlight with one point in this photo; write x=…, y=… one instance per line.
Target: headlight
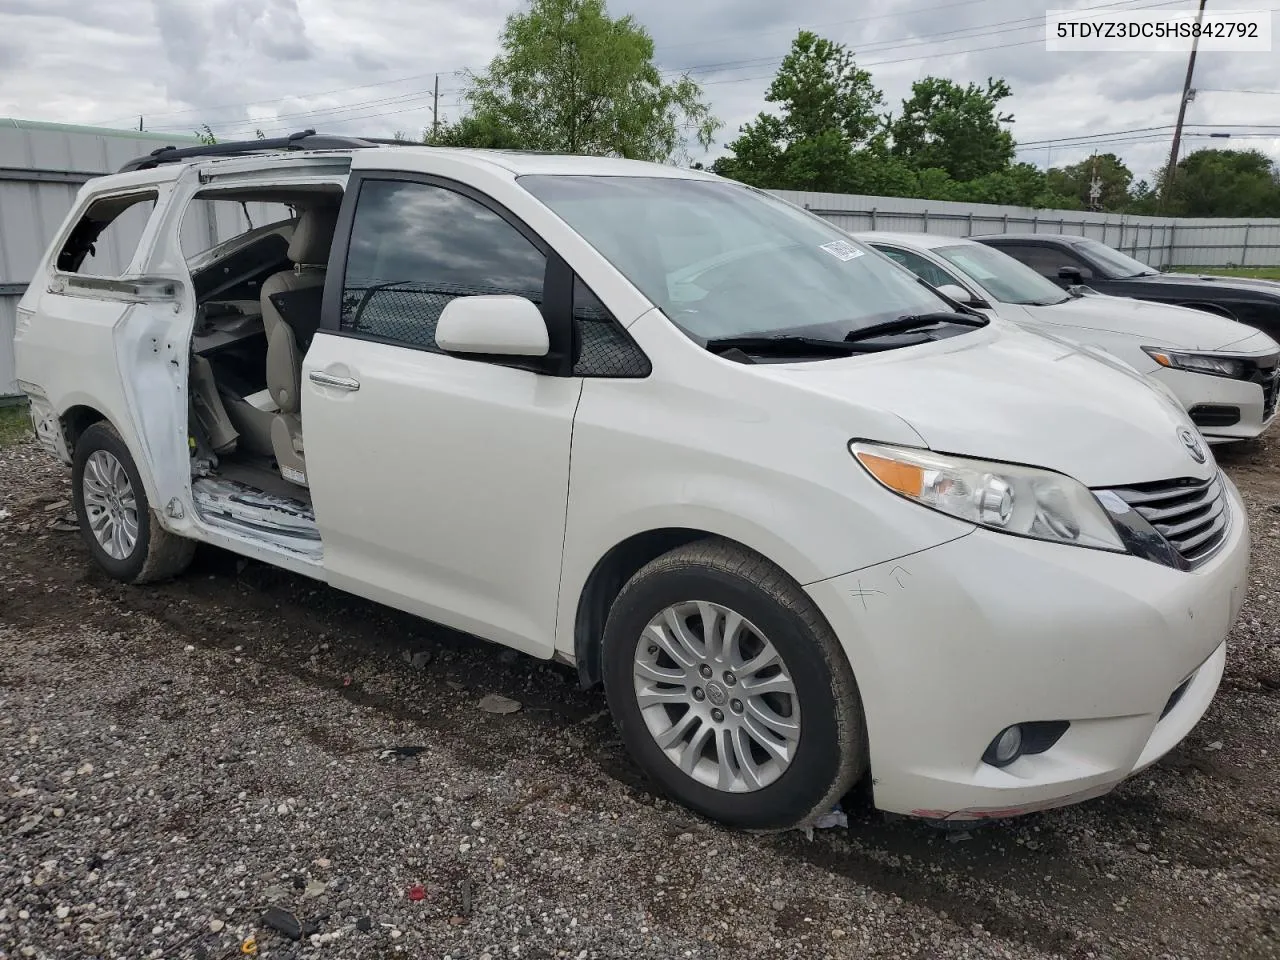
x=1018, y=500
x=1197, y=362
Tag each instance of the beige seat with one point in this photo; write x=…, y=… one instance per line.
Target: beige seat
x=309, y=251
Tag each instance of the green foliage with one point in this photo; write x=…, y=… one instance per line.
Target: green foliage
x=954, y=128
x=819, y=88
x=827, y=114
x=1074, y=182
x=1225, y=183
x=15, y=424
x=570, y=78
x=205, y=135
x=476, y=130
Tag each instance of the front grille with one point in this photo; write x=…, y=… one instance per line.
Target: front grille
x=1214, y=415
x=1192, y=515
x=1265, y=371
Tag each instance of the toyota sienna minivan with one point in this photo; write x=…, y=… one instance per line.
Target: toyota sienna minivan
x=807, y=521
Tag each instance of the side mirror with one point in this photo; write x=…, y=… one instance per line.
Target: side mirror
x=1074, y=274
x=957, y=293
x=496, y=325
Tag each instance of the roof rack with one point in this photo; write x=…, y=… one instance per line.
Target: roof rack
x=302, y=140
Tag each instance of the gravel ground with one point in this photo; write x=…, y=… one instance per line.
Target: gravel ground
x=178, y=759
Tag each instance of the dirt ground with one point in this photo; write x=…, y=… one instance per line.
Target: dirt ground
x=176, y=759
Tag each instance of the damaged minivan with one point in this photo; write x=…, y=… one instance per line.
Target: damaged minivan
x=808, y=522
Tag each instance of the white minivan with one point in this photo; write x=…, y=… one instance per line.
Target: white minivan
x=804, y=521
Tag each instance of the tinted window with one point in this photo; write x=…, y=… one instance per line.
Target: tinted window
x=607, y=350
x=1002, y=276
x=918, y=265
x=416, y=246
x=1045, y=261
x=1120, y=264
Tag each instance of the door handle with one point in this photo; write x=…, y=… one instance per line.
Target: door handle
x=338, y=383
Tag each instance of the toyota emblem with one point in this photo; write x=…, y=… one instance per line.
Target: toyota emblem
x=1192, y=443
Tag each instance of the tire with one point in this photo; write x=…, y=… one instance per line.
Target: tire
x=108, y=495
x=719, y=578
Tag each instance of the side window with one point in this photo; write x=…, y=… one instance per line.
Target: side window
x=922, y=268
x=105, y=239
x=1045, y=261
x=416, y=246
x=607, y=349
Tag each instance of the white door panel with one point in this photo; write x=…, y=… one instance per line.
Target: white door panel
x=440, y=484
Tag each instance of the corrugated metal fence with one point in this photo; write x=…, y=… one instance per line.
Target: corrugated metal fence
x=1159, y=241
x=43, y=165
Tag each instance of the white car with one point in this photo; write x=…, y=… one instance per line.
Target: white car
x=805, y=523
x=1225, y=373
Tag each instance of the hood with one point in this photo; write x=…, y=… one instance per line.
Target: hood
x=1002, y=393
x=1202, y=280
x=1156, y=324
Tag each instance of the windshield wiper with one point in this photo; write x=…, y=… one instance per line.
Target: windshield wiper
x=788, y=345
x=912, y=322
x=792, y=345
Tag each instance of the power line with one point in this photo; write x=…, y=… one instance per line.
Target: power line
x=821, y=26
x=1268, y=93
x=1254, y=127
x=303, y=96
x=917, y=40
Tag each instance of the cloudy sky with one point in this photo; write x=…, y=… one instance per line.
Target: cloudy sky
x=355, y=66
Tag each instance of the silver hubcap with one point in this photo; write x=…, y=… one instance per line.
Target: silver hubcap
x=717, y=697
x=110, y=505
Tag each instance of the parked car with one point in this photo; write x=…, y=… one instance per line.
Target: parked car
x=1069, y=260
x=815, y=522
x=1225, y=374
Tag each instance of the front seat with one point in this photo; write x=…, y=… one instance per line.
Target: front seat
x=309, y=251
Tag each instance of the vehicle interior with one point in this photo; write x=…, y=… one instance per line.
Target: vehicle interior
x=258, y=298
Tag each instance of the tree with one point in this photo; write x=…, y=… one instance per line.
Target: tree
x=954, y=128
x=827, y=110
x=1224, y=183
x=1075, y=182
x=570, y=78
x=476, y=130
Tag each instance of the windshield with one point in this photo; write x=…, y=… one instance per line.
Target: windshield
x=723, y=260
x=1006, y=279
x=1121, y=265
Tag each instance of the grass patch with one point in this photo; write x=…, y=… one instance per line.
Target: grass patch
x=15, y=425
x=1256, y=273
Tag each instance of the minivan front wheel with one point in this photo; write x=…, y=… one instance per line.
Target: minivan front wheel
x=731, y=690
x=115, y=516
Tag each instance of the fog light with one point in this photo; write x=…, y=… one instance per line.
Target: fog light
x=1006, y=747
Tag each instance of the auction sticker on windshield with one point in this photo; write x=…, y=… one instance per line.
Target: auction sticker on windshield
x=842, y=250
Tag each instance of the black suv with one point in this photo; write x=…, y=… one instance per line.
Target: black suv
x=1070, y=261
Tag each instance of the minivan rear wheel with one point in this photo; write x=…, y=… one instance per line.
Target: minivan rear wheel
x=730, y=689
x=115, y=516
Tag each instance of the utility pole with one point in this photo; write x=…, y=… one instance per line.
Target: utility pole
x=1095, y=187
x=1187, y=95
x=139, y=124
x=435, y=108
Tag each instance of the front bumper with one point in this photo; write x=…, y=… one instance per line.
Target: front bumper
x=953, y=644
x=1213, y=402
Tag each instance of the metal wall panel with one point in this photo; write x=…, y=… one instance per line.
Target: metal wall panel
x=1160, y=241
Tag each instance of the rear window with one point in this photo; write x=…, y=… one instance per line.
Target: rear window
x=104, y=241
